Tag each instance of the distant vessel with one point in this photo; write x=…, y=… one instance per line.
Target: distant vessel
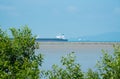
x=59, y=38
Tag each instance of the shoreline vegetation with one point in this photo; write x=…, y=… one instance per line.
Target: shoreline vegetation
x=18, y=59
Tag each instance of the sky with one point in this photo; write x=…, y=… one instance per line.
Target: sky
x=73, y=18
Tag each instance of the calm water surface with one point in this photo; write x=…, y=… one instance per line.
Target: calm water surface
x=86, y=53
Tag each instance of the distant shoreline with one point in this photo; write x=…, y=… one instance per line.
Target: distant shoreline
x=77, y=43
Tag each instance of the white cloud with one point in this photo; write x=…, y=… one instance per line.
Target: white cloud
x=9, y=10
x=35, y=2
x=117, y=10
x=72, y=9
x=6, y=8
x=55, y=11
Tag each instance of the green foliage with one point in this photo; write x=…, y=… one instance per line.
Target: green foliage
x=109, y=66
x=17, y=55
x=91, y=75
x=70, y=69
x=18, y=60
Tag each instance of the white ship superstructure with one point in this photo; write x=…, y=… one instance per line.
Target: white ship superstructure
x=60, y=36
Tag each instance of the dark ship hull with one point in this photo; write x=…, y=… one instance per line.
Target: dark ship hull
x=51, y=40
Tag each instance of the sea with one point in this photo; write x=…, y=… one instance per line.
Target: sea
x=87, y=53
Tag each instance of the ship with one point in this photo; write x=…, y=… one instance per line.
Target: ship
x=59, y=38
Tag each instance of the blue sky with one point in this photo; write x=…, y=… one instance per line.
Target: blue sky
x=74, y=18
